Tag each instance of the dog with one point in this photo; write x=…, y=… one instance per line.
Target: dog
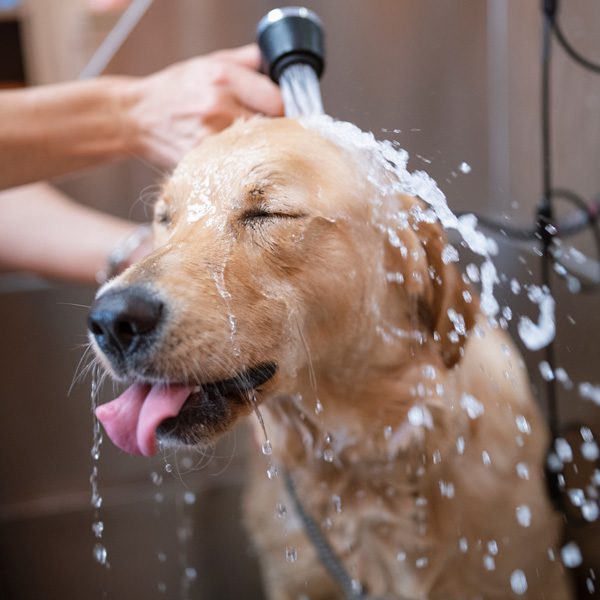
x=284, y=280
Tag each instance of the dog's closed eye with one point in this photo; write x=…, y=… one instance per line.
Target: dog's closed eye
x=258, y=215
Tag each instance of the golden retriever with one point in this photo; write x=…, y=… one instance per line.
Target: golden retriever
x=404, y=420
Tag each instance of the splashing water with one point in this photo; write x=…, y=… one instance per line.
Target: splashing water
x=300, y=90
x=387, y=170
x=537, y=336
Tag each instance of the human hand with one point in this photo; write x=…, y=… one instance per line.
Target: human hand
x=175, y=109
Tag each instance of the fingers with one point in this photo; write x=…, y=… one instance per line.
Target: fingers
x=256, y=91
x=246, y=56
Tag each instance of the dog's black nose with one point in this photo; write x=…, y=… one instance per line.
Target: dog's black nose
x=120, y=319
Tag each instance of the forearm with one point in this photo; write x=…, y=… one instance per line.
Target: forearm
x=53, y=130
x=43, y=231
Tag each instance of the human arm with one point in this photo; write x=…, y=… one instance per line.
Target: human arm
x=52, y=130
x=43, y=231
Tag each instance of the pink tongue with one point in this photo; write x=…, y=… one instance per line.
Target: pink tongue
x=131, y=419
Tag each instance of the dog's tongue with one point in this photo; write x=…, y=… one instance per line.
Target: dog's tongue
x=131, y=419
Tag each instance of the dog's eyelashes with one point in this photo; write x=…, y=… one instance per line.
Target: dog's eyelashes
x=257, y=215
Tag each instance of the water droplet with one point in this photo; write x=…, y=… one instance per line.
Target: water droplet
x=523, y=424
x=460, y=444
x=281, y=510
x=96, y=500
x=428, y=372
x=387, y=432
x=463, y=544
x=518, y=582
x=571, y=555
x=471, y=406
x=421, y=562
x=419, y=416
x=337, y=503
x=267, y=449
x=449, y=254
x=589, y=583
x=356, y=586
x=447, y=489
x=554, y=463
x=100, y=554
x=328, y=455
x=488, y=562
x=159, y=497
x=523, y=515
x=189, y=498
x=590, y=511
x=485, y=457
x=586, y=434
x=291, y=554
x=190, y=573
x=162, y=557
x=98, y=528
x=169, y=468
x=318, y=407
x=562, y=376
x=401, y=556
x=472, y=272
x=590, y=451
x=576, y=496
x=272, y=472
x=464, y=168
x=564, y=450
x=522, y=470
x=492, y=546
x=156, y=478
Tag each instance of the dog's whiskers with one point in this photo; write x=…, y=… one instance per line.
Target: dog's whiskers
x=83, y=368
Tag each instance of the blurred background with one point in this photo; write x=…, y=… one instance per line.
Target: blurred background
x=451, y=81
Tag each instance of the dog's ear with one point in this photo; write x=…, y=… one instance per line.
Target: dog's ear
x=447, y=305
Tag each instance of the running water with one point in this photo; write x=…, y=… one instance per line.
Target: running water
x=300, y=90
x=99, y=552
x=219, y=279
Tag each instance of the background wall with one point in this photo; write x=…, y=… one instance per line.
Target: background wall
x=452, y=81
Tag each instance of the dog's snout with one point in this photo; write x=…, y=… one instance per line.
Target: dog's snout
x=119, y=319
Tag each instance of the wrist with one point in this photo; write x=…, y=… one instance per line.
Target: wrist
x=126, y=94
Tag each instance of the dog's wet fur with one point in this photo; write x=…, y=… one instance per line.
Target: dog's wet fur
x=267, y=254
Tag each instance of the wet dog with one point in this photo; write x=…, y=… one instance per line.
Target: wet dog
x=283, y=277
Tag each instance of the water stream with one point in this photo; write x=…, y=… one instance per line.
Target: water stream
x=99, y=551
x=301, y=92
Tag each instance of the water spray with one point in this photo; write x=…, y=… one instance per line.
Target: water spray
x=291, y=41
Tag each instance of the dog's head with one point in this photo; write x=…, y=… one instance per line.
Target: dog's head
x=269, y=266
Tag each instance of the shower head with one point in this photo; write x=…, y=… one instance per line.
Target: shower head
x=288, y=36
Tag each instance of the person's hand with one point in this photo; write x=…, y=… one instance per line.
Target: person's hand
x=176, y=108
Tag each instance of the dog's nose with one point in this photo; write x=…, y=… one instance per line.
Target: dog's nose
x=119, y=319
